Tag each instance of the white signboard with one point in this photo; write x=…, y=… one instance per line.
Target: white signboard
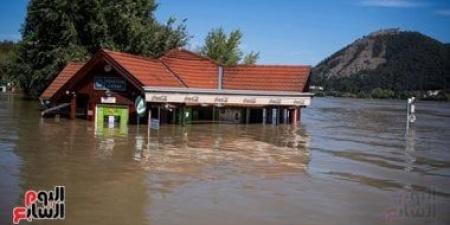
x=110, y=100
x=226, y=99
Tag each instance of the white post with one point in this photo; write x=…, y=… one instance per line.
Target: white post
x=264, y=116
x=410, y=112
x=274, y=116
x=285, y=116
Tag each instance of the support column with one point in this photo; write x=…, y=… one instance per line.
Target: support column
x=182, y=115
x=247, y=116
x=73, y=107
x=285, y=116
x=294, y=116
x=274, y=116
x=91, y=111
x=159, y=114
x=264, y=115
x=174, y=116
x=299, y=118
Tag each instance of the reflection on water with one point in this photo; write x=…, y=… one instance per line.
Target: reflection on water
x=188, y=150
x=347, y=164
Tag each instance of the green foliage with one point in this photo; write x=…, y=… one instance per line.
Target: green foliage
x=8, y=52
x=224, y=49
x=58, y=31
x=381, y=93
x=251, y=58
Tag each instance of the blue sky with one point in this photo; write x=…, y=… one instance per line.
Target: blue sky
x=285, y=31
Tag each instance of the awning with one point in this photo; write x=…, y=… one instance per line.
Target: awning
x=226, y=97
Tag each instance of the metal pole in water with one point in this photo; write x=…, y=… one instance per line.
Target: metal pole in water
x=410, y=113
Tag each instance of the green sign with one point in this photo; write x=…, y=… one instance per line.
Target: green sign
x=111, y=116
x=140, y=106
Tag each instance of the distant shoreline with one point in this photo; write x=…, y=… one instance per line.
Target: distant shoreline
x=443, y=96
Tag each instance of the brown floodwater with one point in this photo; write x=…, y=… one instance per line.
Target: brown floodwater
x=348, y=163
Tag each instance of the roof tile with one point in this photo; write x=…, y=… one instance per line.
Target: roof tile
x=182, y=68
x=266, y=77
x=148, y=71
x=67, y=73
x=195, y=71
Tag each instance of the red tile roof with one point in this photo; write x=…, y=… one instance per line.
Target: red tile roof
x=195, y=71
x=266, y=77
x=148, y=71
x=185, y=69
x=61, y=79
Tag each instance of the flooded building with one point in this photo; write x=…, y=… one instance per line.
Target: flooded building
x=180, y=87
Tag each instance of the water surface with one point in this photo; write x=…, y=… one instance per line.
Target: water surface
x=348, y=163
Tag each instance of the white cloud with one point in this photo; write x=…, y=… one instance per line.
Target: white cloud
x=391, y=3
x=443, y=12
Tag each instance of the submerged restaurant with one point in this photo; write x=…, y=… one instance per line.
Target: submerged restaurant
x=180, y=87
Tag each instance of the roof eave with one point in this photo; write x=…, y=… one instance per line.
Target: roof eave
x=225, y=91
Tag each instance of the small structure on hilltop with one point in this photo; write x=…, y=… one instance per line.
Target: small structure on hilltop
x=180, y=87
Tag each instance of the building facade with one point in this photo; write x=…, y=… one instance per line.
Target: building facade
x=181, y=87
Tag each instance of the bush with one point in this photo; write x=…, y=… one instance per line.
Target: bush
x=382, y=93
x=362, y=94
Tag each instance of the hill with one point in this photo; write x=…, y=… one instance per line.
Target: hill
x=397, y=62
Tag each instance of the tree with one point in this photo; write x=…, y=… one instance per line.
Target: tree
x=49, y=40
x=224, y=49
x=58, y=31
x=8, y=52
x=251, y=58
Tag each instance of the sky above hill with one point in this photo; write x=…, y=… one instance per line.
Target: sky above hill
x=285, y=31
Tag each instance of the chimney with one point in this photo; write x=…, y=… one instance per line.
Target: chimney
x=220, y=77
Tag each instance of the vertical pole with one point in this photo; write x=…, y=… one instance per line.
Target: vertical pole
x=174, y=115
x=73, y=106
x=264, y=115
x=294, y=116
x=299, y=113
x=285, y=116
x=159, y=115
x=247, y=116
x=93, y=107
x=274, y=116
x=182, y=116
x=137, y=120
x=410, y=113
x=213, y=114
x=149, y=126
x=408, y=102
x=149, y=121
